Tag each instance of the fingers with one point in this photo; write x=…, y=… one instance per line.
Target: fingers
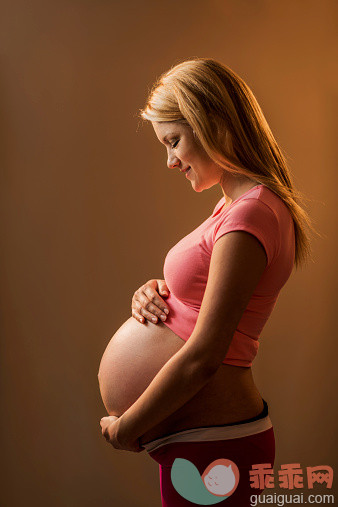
x=162, y=288
x=137, y=315
x=152, y=303
x=147, y=309
x=147, y=304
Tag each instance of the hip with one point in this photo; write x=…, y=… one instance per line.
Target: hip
x=228, y=397
x=190, y=462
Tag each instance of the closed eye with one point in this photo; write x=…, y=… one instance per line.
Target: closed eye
x=175, y=144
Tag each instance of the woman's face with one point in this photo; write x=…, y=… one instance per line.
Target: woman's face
x=184, y=150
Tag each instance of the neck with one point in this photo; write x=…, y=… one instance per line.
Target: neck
x=234, y=186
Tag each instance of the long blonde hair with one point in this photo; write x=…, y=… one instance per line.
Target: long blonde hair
x=229, y=123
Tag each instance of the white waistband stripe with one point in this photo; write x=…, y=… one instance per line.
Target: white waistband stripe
x=210, y=433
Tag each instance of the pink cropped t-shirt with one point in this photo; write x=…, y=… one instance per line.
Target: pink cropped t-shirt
x=260, y=212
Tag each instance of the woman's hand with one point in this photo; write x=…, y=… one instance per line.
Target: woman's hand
x=110, y=426
x=147, y=304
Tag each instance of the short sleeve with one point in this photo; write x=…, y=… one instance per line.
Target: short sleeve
x=255, y=217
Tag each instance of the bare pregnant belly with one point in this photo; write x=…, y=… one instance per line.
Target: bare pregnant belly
x=134, y=356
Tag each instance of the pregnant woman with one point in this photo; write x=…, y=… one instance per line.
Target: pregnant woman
x=176, y=377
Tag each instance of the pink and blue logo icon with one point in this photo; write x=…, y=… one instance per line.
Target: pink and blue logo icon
x=218, y=481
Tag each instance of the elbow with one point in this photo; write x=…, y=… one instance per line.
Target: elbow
x=210, y=367
x=205, y=359
x=201, y=364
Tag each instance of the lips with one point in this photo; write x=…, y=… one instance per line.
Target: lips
x=184, y=170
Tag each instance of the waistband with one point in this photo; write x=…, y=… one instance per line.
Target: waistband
x=255, y=425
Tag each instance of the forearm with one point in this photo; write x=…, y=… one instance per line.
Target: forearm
x=175, y=384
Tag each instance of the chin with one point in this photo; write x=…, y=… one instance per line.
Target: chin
x=197, y=186
x=201, y=187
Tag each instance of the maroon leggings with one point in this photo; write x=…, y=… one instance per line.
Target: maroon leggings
x=244, y=451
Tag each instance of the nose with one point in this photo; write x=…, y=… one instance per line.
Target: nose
x=172, y=162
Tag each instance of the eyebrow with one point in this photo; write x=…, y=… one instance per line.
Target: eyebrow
x=165, y=139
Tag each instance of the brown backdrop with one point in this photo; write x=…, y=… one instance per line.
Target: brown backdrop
x=80, y=183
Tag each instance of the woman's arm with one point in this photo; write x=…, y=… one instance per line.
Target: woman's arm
x=237, y=263
x=175, y=384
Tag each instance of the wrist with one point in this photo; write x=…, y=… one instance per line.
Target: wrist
x=123, y=432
